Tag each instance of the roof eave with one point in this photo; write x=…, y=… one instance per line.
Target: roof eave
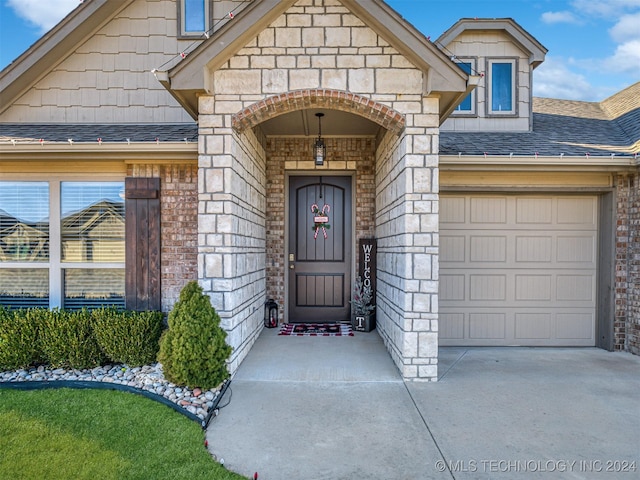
x=615, y=163
x=150, y=152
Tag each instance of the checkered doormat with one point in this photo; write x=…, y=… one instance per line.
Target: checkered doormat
x=316, y=329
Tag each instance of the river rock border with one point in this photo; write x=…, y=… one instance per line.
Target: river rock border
x=194, y=403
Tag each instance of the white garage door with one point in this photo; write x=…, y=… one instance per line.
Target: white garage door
x=518, y=270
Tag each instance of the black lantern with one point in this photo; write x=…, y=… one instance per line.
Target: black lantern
x=319, y=148
x=270, y=313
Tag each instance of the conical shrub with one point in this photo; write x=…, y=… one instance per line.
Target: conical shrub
x=193, y=351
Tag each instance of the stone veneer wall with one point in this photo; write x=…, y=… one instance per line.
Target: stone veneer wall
x=345, y=157
x=178, y=224
x=407, y=230
x=231, y=226
x=627, y=320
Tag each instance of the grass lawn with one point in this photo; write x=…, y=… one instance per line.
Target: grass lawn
x=99, y=434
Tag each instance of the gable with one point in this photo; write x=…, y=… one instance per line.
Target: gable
x=510, y=29
x=105, y=73
x=320, y=46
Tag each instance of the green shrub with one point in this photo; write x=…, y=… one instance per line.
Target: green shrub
x=19, y=347
x=67, y=340
x=128, y=337
x=193, y=351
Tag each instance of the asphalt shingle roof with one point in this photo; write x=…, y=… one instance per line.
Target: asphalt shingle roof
x=566, y=127
x=28, y=132
x=562, y=127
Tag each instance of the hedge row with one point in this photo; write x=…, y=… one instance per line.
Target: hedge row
x=78, y=339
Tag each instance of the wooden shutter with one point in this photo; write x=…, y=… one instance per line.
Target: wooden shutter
x=142, y=243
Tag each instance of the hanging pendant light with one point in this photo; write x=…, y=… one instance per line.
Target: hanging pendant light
x=319, y=148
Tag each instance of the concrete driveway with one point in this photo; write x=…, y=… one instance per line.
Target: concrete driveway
x=336, y=408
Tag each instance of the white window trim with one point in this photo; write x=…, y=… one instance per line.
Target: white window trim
x=514, y=87
x=208, y=15
x=55, y=265
x=474, y=102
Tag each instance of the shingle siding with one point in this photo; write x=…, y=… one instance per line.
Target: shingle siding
x=108, y=78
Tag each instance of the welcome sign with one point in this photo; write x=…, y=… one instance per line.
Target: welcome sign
x=367, y=264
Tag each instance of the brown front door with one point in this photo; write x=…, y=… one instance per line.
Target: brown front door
x=319, y=249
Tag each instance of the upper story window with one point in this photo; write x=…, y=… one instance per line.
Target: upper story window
x=468, y=105
x=502, y=87
x=194, y=17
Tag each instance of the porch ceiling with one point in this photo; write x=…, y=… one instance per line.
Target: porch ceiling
x=335, y=123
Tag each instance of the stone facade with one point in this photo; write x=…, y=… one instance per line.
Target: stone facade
x=318, y=54
x=627, y=317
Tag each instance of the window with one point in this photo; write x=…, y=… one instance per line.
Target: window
x=62, y=244
x=502, y=86
x=194, y=17
x=468, y=105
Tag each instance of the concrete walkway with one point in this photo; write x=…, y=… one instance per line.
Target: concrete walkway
x=336, y=408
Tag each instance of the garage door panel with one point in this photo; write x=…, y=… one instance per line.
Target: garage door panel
x=534, y=249
x=488, y=210
x=452, y=248
x=575, y=288
x=453, y=211
x=488, y=248
x=575, y=326
x=532, y=279
x=451, y=326
x=534, y=211
x=577, y=249
x=533, y=326
x=577, y=211
x=452, y=287
x=489, y=325
x=533, y=288
x=487, y=287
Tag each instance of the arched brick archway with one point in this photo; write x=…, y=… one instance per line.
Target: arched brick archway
x=276, y=105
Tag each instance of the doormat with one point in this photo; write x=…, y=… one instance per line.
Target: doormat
x=316, y=329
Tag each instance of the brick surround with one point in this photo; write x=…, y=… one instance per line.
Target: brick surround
x=290, y=155
x=179, y=225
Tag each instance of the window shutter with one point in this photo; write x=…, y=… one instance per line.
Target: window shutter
x=142, y=277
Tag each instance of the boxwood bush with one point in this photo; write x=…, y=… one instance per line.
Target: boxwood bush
x=77, y=339
x=19, y=331
x=67, y=340
x=128, y=337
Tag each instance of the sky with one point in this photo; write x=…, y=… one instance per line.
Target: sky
x=594, y=45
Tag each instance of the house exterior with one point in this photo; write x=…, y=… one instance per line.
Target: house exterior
x=146, y=143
